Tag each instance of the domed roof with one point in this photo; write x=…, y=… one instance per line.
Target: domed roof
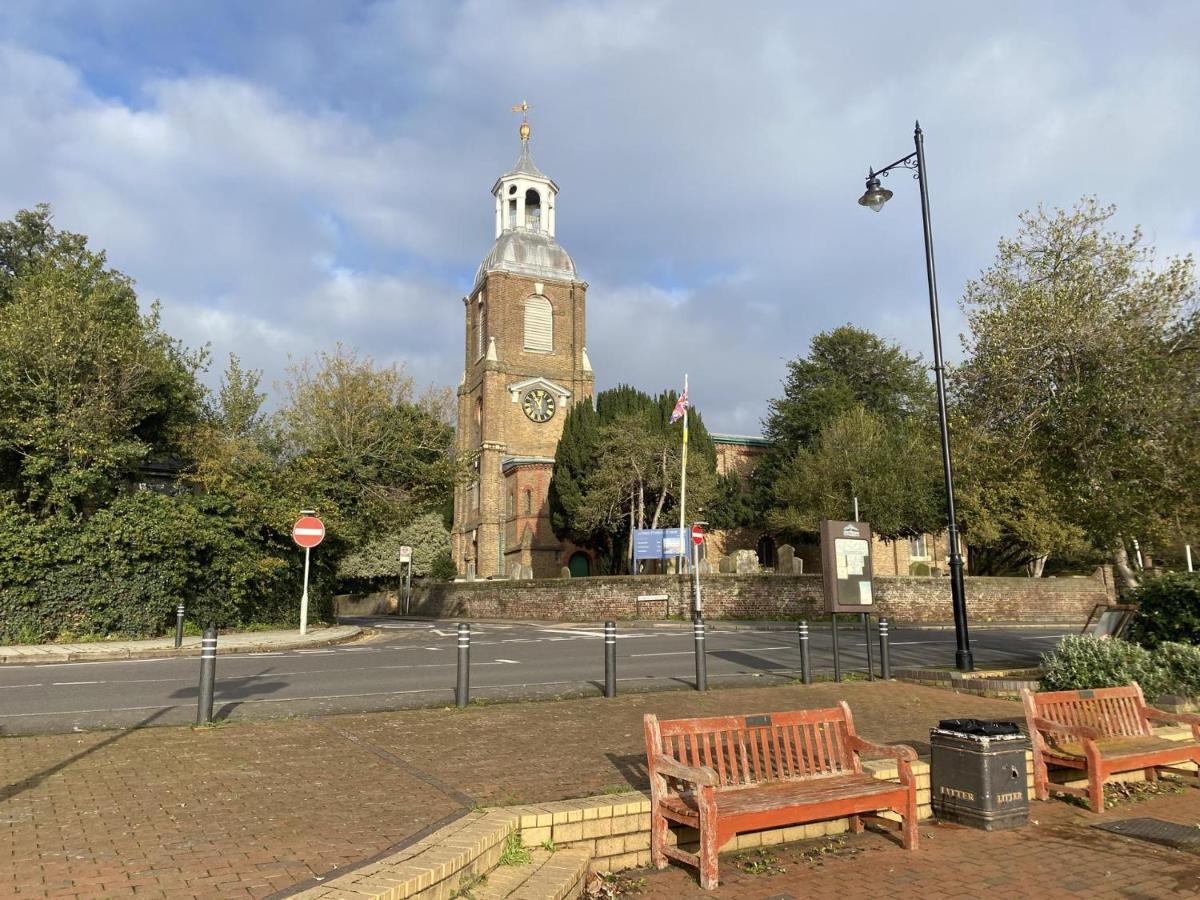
x=528, y=252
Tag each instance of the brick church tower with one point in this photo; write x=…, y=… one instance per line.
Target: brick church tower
x=525, y=366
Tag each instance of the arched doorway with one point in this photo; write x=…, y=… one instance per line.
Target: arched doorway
x=580, y=565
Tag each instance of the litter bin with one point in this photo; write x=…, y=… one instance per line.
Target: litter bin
x=978, y=774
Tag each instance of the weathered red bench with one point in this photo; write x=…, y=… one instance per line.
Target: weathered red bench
x=1103, y=731
x=732, y=774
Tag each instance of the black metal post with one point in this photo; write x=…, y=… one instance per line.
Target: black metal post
x=805, y=659
x=701, y=662
x=870, y=662
x=610, y=659
x=208, y=675
x=462, y=687
x=963, y=658
x=178, y=626
x=885, y=656
x=837, y=657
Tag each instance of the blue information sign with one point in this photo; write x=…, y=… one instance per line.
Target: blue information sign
x=647, y=543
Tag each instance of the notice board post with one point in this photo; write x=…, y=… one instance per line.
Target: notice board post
x=846, y=574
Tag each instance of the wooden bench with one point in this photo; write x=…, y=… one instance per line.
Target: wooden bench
x=731, y=774
x=1103, y=731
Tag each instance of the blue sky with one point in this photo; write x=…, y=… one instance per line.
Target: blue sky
x=286, y=175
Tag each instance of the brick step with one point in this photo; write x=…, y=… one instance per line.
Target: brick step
x=550, y=875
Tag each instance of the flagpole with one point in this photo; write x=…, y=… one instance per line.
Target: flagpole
x=683, y=478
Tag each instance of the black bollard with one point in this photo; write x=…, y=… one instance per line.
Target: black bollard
x=462, y=689
x=885, y=656
x=701, y=662
x=837, y=657
x=610, y=659
x=178, y=626
x=208, y=675
x=870, y=661
x=805, y=660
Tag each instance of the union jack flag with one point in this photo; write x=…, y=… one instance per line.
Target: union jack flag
x=680, y=405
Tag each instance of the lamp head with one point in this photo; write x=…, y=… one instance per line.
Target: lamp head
x=875, y=196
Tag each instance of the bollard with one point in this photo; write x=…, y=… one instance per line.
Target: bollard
x=178, y=626
x=208, y=675
x=885, y=656
x=837, y=657
x=462, y=689
x=610, y=659
x=701, y=662
x=805, y=661
x=870, y=661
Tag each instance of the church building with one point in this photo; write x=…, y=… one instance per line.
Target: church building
x=525, y=365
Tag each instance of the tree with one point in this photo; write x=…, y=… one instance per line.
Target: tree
x=891, y=467
x=618, y=468
x=1084, y=362
x=846, y=368
x=89, y=387
x=379, y=559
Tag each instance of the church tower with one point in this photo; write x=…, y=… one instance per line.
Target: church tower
x=525, y=366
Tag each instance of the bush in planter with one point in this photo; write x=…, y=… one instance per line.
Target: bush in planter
x=1082, y=661
x=1168, y=610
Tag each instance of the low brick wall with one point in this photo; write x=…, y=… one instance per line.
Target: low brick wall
x=916, y=600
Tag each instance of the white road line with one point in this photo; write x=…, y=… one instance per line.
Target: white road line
x=4, y=687
x=316, y=651
x=66, y=683
x=515, y=662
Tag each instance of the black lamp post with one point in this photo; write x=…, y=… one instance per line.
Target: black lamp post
x=874, y=197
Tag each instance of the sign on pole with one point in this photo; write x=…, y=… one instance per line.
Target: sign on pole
x=697, y=535
x=308, y=532
x=406, y=554
x=846, y=566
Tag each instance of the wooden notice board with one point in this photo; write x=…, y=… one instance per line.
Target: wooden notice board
x=846, y=567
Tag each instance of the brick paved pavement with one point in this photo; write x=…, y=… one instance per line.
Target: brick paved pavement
x=1060, y=856
x=246, y=809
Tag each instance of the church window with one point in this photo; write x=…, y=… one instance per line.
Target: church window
x=512, y=213
x=533, y=210
x=480, y=328
x=475, y=494
x=528, y=501
x=539, y=325
x=917, y=549
x=511, y=505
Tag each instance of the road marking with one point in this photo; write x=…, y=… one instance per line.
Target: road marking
x=10, y=686
x=316, y=651
x=515, y=662
x=65, y=683
x=580, y=633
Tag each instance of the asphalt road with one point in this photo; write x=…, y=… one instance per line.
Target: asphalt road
x=412, y=664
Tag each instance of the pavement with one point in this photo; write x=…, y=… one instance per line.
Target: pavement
x=411, y=664
x=164, y=648
x=255, y=808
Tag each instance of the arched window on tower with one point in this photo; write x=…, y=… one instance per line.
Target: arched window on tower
x=512, y=207
x=533, y=210
x=539, y=325
x=480, y=328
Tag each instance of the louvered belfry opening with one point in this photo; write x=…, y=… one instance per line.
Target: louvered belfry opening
x=539, y=325
x=533, y=210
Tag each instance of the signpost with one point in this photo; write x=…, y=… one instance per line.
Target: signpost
x=406, y=558
x=308, y=532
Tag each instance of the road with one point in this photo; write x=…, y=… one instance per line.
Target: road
x=412, y=664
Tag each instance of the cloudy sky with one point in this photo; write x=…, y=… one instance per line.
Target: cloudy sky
x=285, y=175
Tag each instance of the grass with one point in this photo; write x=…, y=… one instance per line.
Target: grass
x=467, y=887
x=515, y=853
x=759, y=861
x=1120, y=793
x=611, y=885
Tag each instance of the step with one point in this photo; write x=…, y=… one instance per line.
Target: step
x=550, y=875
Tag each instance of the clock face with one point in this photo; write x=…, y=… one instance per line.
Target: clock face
x=538, y=405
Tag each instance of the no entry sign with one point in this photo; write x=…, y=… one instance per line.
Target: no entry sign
x=697, y=535
x=308, y=531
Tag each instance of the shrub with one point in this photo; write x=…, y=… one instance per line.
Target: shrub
x=1180, y=665
x=1081, y=661
x=1168, y=610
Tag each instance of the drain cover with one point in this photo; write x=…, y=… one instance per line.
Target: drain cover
x=1169, y=834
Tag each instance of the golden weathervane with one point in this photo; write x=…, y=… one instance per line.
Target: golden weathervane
x=523, y=108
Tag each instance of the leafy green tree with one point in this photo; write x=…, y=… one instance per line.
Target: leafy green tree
x=1084, y=357
x=378, y=561
x=89, y=387
x=891, y=467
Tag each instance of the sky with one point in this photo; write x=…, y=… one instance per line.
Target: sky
x=285, y=175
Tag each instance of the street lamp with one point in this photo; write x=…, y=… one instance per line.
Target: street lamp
x=874, y=198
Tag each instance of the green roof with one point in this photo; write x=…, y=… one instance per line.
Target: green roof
x=745, y=440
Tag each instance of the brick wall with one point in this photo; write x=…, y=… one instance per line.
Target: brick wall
x=918, y=600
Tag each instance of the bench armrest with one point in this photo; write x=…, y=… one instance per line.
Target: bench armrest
x=895, y=751
x=1085, y=732
x=1159, y=715
x=698, y=775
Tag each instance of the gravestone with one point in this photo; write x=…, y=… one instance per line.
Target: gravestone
x=725, y=566
x=797, y=566
x=705, y=567
x=785, y=559
x=514, y=570
x=564, y=572
x=470, y=571
x=745, y=562
x=526, y=573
